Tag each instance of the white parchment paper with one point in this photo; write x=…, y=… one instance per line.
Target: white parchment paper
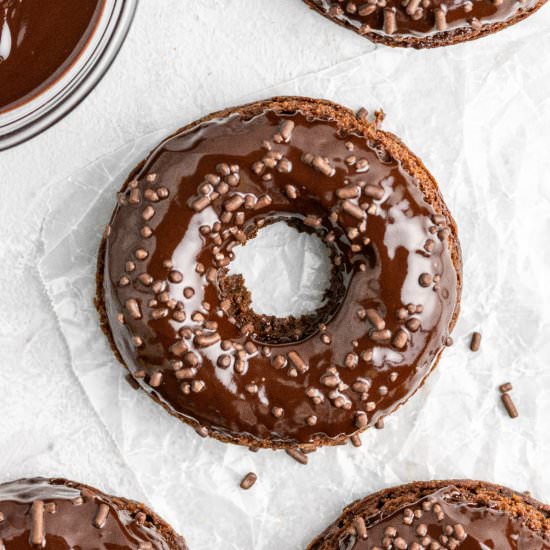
x=479, y=117
x=286, y=271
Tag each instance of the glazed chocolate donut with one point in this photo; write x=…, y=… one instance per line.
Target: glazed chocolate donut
x=465, y=515
x=425, y=23
x=185, y=327
x=58, y=514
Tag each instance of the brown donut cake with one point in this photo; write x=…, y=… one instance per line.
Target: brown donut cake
x=465, y=515
x=185, y=328
x=60, y=514
x=425, y=23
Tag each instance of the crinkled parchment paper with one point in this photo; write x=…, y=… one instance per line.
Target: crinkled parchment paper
x=479, y=117
x=286, y=271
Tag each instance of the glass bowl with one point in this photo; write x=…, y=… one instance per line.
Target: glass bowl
x=75, y=83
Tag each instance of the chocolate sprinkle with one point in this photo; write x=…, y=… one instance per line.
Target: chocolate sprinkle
x=475, y=342
x=297, y=455
x=509, y=405
x=248, y=481
x=506, y=387
x=101, y=516
x=37, y=525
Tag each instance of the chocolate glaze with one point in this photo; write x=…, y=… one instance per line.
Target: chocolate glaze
x=418, y=19
x=39, y=40
x=466, y=524
x=287, y=393
x=74, y=516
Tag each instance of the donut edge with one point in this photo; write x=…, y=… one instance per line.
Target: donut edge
x=351, y=122
x=164, y=529
x=535, y=513
x=437, y=40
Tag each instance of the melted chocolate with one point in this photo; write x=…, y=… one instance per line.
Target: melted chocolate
x=465, y=526
x=419, y=19
x=39, y=40
x=60, y=515
x=168, y=246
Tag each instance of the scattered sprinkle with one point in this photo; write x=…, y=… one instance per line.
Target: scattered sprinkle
x=297, y=455
x=248, y=481
x=476, y=341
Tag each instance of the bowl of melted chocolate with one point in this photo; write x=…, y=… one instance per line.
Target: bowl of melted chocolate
x=52, y=53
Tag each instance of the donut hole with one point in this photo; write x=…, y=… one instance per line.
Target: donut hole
x=286, y=271
x=283, y=282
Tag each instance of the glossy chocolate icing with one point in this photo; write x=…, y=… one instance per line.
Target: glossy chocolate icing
x=39, y=39
x=463, y=524
x=61, y=515
x=199, y=361
x=421, y=19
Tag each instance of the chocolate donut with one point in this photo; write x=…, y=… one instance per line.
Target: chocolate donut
x=425, y=23
x=58, y=514
x=465, y=515
x=185, y=327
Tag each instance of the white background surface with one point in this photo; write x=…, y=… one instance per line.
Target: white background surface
x=477, y=114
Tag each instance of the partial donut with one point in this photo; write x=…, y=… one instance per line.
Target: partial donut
x=465, y=515
x=185, y=327
x=57, y=514
x=425, y=23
